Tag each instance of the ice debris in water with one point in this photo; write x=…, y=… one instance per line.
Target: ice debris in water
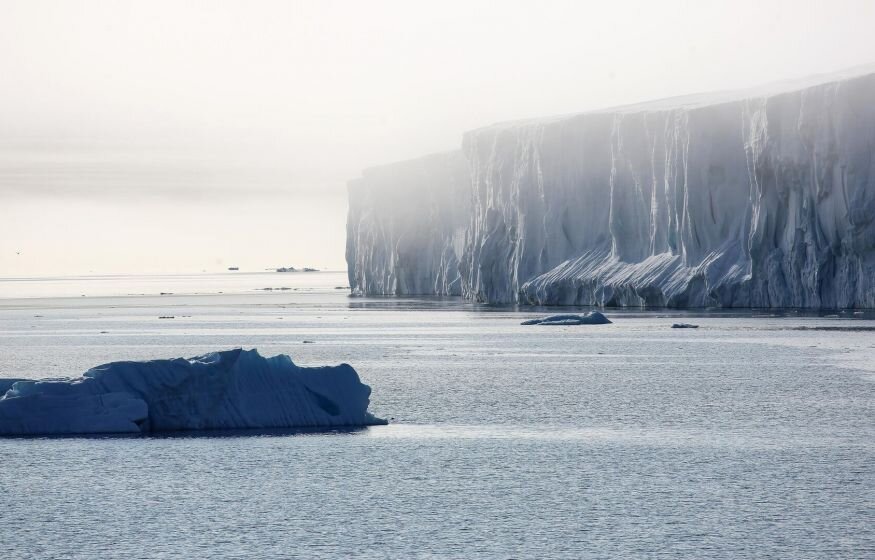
x=591, y=318
x=232, y=389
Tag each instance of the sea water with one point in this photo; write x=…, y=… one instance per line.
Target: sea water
x=752, y=436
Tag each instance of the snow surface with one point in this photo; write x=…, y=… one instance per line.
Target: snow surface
x=232, y=389
x=763, y=198
x=591, y=318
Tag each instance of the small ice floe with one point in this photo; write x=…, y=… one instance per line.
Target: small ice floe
x=591, y=318
x=684, y=326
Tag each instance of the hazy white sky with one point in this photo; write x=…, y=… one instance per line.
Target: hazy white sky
x=162, y=136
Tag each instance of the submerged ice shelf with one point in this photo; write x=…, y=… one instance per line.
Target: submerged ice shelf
x=232, y=389
x=763, y=198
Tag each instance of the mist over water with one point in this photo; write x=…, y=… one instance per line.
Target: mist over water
x=168, y=137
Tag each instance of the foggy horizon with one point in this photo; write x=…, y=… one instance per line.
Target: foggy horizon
x=178, y=138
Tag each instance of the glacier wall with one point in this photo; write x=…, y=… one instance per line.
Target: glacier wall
x=406, y=227
x=763, y=199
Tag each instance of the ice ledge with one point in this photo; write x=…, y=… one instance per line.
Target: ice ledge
x=699, y=100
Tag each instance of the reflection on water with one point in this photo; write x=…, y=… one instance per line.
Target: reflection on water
x=188, y=434
x=663, y=437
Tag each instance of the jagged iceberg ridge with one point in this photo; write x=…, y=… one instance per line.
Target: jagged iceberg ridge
x=758, y=199
x=222, y=390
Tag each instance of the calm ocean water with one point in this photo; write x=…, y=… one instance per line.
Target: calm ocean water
x=750, y=437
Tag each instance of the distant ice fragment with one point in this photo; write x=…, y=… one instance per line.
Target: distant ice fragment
x=232, y=389
x=591, y=318
x=684, y=326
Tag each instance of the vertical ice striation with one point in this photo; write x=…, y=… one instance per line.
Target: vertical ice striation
x=763, y=199
x=406, y=227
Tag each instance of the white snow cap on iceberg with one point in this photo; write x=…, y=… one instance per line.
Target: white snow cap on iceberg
x=232, y=389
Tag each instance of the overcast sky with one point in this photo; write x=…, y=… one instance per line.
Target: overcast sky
x=161, y=136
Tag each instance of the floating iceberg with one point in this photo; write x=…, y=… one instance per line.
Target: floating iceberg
x=591, y=318
x=233, y=389
x=762, y=198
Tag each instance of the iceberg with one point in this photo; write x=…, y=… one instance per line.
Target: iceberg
x=591, y=318
x=232, y=389
x=759, y=198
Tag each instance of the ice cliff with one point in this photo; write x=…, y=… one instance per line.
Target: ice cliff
x=406, y=226
x=755, y=199
x=222, y=390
